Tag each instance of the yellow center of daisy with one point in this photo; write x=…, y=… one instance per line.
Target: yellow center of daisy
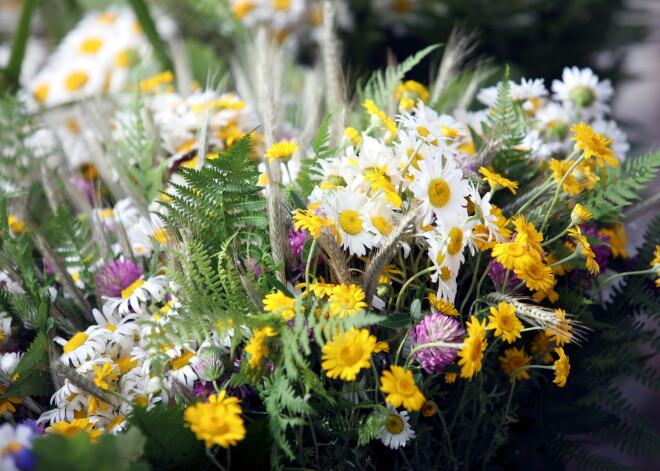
x=142, y=401
x=131, y=288
x=350, y=222
x=90, y=46
x=350, y=354
x=111, y=327
x=183, y=360
x=14, y=448
x=406, y=387
x=506, y=323
x=517, y=362
x=75, y=81
x=439, y=192
x=514, y=250
x=449, y=132
x=41, y=93
x=382, y=225
x=394, y=424
x=455, y=243
x=75, y=342
x=281, y=5
x=445, y=274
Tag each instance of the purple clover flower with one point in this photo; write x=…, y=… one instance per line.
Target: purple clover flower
x=116, y=276
x=297, y=240
x=497, y=274
x=435, y=327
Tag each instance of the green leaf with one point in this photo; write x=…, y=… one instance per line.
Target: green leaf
x=275, y=283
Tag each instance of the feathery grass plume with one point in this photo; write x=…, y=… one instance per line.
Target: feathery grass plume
x=336, y=257
x=539, y=316
x=384, y=256
x=459, y=47
x=331, y=53
x=481, y=73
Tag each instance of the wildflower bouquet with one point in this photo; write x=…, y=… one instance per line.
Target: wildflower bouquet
x=415, y=278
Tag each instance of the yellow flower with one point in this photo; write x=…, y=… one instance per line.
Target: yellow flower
x=655, y=262
x=105, y=375
x=382, y=347
x=280, y=302
x=450, y=377
x=594, y=145
x=16, y=225
x=281, y=150
x=7, y=404
x=582, y=242
x=580, y=214
x=353, y=135
x=442, y=306
x=75, y=427
x=618, y=239
x=312, y=223
x=407, y=93
x=380, y=118
x=348, y=353
x=513, y=359
x=527, y=235
x=474, y=345
x=505, y=322
x=513, y=255
x=258, y=346
x=497, y=179
x=150, y=84
x=561, y=334
x=560, y=168
x=501, y=223
x=347, y=300
x=537, y=276
x=562, y=368
x=401, y=389
x=217, y=422
x=541, y=347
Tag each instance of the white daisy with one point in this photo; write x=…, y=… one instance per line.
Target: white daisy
x=138, y=294
x=440, y=187
x=382, y=218
x=8, y=362
x=456, y=235
x=83, y=346
x=427, y=125
x=484, y=209
x=347, y=209
x=396, y=431
x=582, y=89
x=14, y=439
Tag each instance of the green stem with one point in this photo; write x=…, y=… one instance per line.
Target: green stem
x=211, y=456
x=407, y=283
x=18, y=45
x=481, y=281
x=650, y=271
x=474, y=282
x=398, y=351
x=558, y=191
x=506, y=279
x=558, y=236
x=544, y=186
x=457, y=346
x=310, y=255
x=149, y=27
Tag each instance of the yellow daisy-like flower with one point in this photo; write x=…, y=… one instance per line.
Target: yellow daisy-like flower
x=75, y=427
x=450, y=378
x=562, y=368
x=497, y=179
x=279, y=301
x=442, y=306
x=505, y=322
x=400, y=387
x=527, y=234
x=105, y=375
x=513, y=359
x=581, y=241
x=580, y=214
x=347, y=300
x=320, y=288
x=541, y=347
x=594, y=145
x=472, y=353
x=656, y=261
x=514, y=256
x=16, y=225
x=537, y=276
x=7, y=404
x=382, y=347
x=353, y=134
x=312, y=223
x=480, y=229
x=258, y=346
x=380, y=117
x=348, y=353
x=561, y=334
x=560, y=167
x=281, y=150
x=408, y=93
x=618, y=239
x=217, y=422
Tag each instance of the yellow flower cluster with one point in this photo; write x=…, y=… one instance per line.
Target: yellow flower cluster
x=217, y=422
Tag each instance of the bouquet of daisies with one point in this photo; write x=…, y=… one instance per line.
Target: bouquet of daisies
x=269, y=274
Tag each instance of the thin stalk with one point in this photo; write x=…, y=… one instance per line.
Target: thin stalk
x=399, y=298
x=558, y=191
x=149, y=27
x=650, y=271
x=558, y=236
x=18, y=45
x=474, y=282
x=457, y=346
x=544, y=186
